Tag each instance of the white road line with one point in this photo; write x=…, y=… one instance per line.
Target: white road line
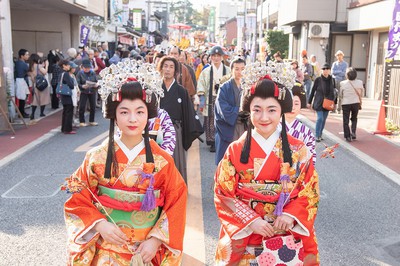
x=88, y=145
x=194, y=244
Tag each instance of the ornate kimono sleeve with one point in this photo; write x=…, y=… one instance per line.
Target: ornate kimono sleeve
x=304, y=207
x=80, y=217
x=234, y=214
x=170, y=227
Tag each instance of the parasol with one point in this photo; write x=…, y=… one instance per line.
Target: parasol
x=179, y=26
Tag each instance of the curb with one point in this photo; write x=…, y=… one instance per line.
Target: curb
x=384, y=170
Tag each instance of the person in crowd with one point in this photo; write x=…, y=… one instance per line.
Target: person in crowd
x=116, y=58
x=183, y=75
x=98, y=61
x=307, y=70
x=104, y=46
x=294, y=126
x=278, y=57
x=350, y=95
x=324, y=87
x=339, y=74
x=229, y=126
x=183, y=59
x=21, y=80
x=204, y=61
x=55, y=78
x=266, y=184
x=66, y=100
x=125, y=55
x=177, y=103
x=316, y=67
x=75, y=93
x=157, y=57
x=87, y=83
x=207, y=89
x=299, y=73
x=92, y=59
x=267, y=56
x=39, y=98
x=102, y=226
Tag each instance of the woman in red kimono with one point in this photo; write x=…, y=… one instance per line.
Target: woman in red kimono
x=133, y=202
x=256, y=174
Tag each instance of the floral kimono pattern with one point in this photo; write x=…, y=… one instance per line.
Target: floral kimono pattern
x=166, y=222
x=236, y=185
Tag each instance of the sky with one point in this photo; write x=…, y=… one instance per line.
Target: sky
x=198, y=4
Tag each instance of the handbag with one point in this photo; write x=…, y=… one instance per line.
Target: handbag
x=281, y=250
x=328, y=104
x=40, y=81
x=63, y=89
x=359, y=96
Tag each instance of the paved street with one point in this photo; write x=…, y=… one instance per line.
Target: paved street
x=357, y=223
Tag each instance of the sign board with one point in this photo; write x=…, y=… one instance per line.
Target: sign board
x=136, y=16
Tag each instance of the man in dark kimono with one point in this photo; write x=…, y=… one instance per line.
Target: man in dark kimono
x=229, y=125
x=177, y=103
x=207, y=89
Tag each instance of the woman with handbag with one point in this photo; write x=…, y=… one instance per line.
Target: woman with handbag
x=66, y=100
x=323, y=94
x=266, y=188
x=40, y=97
x=351, y=91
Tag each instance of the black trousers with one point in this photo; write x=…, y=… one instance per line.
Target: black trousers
x=350, y=110
x=67, y=117
x=55, y=101
x=82, y=106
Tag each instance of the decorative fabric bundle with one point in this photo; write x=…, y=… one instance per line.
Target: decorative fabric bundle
x=281, y=250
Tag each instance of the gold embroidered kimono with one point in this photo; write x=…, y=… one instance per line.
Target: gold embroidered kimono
x=166, y=222
x=237, y=206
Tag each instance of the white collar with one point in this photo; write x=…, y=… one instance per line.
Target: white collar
x=266, y=144
x=170, y=85
x=131, y=154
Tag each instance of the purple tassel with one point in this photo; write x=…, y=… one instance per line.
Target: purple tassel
x=281, y=202
x=149, y=200
x=284, y=178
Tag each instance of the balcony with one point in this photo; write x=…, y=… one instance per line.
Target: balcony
x=292, y=12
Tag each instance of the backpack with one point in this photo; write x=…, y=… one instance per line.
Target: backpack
x=40, y=81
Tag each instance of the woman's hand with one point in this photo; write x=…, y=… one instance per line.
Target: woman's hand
x=284, y=222
x=262, y=227
x=149, y=248
x=111, y=233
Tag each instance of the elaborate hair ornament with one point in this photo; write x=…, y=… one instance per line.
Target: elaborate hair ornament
x=280, y=73
x=114, y=76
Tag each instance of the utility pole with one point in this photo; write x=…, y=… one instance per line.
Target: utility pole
x=3, y=92
x=260, y=33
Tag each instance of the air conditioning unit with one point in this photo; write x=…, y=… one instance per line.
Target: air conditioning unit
x=318, y=30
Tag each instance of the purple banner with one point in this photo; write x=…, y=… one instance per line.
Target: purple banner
x=394, y=32
x=84, y=35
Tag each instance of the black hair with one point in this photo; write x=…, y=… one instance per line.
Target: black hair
x=22, y=52
x=34, y=58
x=264, y=89
x=351, y=73
x=168, y=58
x=237, y=60
x=130, y=90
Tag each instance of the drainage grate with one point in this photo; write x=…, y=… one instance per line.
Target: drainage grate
x=36, y=186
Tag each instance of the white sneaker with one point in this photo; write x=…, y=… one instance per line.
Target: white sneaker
x=93, y=123
x=83, y=124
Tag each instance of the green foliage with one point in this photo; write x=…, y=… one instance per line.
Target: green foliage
x=278, y=41
x=185, y=13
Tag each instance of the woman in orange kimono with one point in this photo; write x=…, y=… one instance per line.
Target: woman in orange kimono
x=131, y=203
x=266, y=184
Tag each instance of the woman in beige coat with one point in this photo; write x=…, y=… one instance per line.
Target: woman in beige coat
x=351, y=92
x=40, y=98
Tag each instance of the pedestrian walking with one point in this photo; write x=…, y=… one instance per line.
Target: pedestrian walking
x=229, y=125
x=177, y=103
x=339, y=74
x=307, y=70
x=207, y=89
x=324, y=87
x=350, y=95
x=266, y=187
x=131, y=209
x=299, y=73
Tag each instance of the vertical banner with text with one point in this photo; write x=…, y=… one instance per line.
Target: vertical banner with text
x=84, y=35
x=394, y=32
